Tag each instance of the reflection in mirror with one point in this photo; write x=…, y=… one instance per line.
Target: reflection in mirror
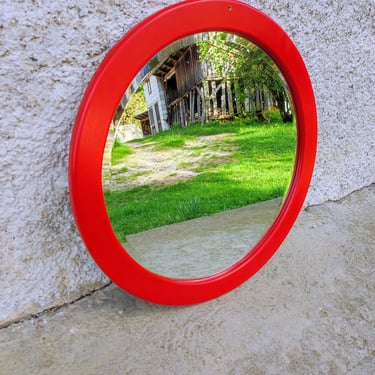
x=199, y=155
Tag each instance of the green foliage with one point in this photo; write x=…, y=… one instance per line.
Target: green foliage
x=234, y=57
x=136, y=104
x=247, y=65
x=260, y=169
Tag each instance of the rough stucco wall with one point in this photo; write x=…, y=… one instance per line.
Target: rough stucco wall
x=48, y=53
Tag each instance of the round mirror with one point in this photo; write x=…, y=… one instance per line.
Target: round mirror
x=212, y=134
x=206, y=127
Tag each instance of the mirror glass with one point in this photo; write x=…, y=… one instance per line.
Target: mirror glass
x=199, y=155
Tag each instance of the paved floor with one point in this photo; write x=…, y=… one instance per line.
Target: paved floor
x=202, y=246
x=310, y=310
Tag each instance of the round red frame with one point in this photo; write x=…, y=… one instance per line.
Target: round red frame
x=97, y=108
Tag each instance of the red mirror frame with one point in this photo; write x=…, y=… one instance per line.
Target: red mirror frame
x=98, y=106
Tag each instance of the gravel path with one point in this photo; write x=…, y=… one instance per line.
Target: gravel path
x=149, y=165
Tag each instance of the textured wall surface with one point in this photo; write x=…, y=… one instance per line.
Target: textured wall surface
x=48, y=53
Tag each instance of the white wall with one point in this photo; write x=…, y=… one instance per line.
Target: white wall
x=48, y=53
x=156, y=96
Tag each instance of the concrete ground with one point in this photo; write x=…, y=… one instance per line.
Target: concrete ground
x=203, y=246
x=310, y=310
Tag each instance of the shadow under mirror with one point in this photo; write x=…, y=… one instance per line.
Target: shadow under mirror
x=199, y=155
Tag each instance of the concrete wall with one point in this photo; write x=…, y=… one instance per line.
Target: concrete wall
x=48, y=53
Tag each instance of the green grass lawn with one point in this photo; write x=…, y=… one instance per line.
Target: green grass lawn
x=259, y=169
x=119, y=151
